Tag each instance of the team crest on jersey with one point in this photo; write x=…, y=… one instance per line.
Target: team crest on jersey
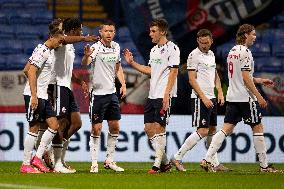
x=162, y=50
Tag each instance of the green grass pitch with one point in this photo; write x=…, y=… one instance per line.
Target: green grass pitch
x=135, y=176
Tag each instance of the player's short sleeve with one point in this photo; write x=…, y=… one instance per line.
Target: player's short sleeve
x=118, y=53
x=192, y=62
x=174, y=56
x=95, y=52
x=246, y=60
x=39, y=56
x=151, y=55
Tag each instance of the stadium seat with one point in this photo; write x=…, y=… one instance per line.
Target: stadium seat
x=19, y=18
x=268, y=64
x=86, y=30
x=79, y=48
x=16, y=61
x=36, y=4
x=261, y=49
x=29, y=45
x=267, y=36
x=43, y=29
x=6, y=32
x=3, y=18
x=123, y=34
x=44, y=17
x=224, y=49
x=278, y=49
x=11, y=4
x=2, y=62
x=10, y=47
x=27, y=32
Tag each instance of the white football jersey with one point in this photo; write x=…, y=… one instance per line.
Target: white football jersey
x=239, y=59
x=104, y=60
x=63, y=65
x=205, y=66
x=162, y=58
x=42, y=59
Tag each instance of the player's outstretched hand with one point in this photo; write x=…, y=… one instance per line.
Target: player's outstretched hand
x=88, y=50
x=128, y=56
x=268, y=83
x=166, y=102
x=207, y=102
x=91, y=38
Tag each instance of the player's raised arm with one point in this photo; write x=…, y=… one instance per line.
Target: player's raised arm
x=86, y=60
x=76, y=39
x=263, y=81
x=130, y=60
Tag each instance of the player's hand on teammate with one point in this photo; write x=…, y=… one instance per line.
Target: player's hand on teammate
x=267, y=83
x=85, y=88
x=123, y=90
x=262, y=102
x=88, y=50
x=128, y=56
x=91, y=38
x=207, y=102
x=221, y=99
x=34, y=102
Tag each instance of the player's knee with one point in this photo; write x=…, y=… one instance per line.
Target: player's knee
x=77, y=124
x=203, y=132
x=212, y=130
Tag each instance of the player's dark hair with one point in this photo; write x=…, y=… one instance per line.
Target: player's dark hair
x=55, y=24
x=204, y=33
x=107, y=22
x=243, y=29
x=162, y=24
x=71, y=24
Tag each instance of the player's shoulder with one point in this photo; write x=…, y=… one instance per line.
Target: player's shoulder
x=41, y=49
x=172, y=46
x=114, y=44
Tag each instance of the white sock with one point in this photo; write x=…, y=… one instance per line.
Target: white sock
x=65, y=147
x=111, y=143
x=188, y=144
x=39, y=136
x=165, y=159
x=216, y=143
x=260, y=149
x=160, y=149
x=46, y=139
x=94, y=148
x=57, y=150
x=28, y=147
x=214, y=159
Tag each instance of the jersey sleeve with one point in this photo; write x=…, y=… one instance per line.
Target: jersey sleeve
x=246, y=60
x=192, y=62
x=39, y=56
x=174, y=58
x=118, y=56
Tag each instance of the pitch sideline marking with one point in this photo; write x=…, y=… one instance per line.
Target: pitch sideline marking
x=6, y=185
